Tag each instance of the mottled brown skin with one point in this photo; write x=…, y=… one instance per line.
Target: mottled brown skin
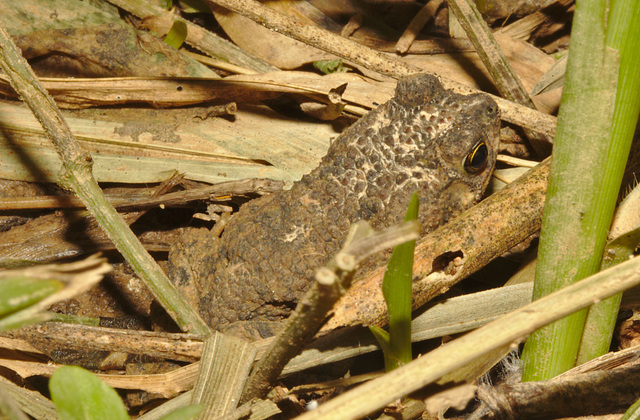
x=417, y=141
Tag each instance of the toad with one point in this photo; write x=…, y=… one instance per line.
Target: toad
x=426, y=139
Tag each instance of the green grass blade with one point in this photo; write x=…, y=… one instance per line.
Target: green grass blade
x=602, y=316
x=19, y=294
x=184, y=413
x=396, y=288
x=633, y=413
x=390, y=360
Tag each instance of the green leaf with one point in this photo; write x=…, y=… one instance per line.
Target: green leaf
x=177, y=34
x=330, y=66
x=20, y=292
x=621, y=248
x=79, y=394
x=184, y=413
x=396, y=288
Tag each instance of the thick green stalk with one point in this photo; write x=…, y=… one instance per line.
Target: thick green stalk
x=623, y=34
x=578, y=212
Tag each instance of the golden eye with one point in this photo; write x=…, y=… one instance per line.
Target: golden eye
x=476, y=160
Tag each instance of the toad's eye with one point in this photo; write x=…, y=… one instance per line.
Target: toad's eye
x=476, y=160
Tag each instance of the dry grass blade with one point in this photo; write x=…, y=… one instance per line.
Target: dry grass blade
x=123, y=159
x=224, y=369
x=504, y=77
x=478, y=31
x=31, y=402
x=167, y=92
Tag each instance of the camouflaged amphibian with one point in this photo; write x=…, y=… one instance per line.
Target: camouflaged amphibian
x=424, y=139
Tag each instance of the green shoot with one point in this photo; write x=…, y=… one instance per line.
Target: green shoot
x=633, y=413
x=396, y=288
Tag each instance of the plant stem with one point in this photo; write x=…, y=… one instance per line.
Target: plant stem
x=576, y=215
x=623, y=34
x=396, y=288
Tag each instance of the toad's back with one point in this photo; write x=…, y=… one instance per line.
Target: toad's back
x=424, y=139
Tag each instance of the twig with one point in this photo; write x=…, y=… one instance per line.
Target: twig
x=77, y=176
x=582, y=394
x=490, y=53
x=182, y=347
x=427, y=12
x=243, y=186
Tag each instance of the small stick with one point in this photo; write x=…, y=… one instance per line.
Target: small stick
x=417, y=23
